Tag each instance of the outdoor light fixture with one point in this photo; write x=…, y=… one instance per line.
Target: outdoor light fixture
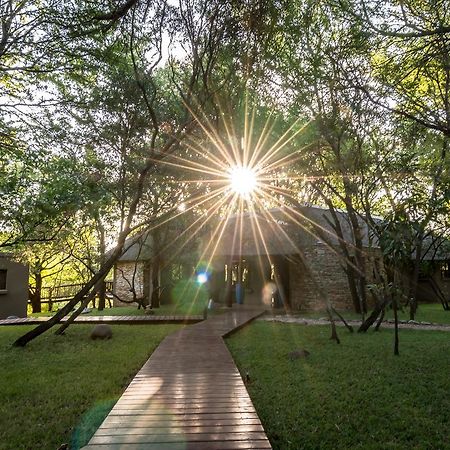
x=202, y=278
x=242, y=180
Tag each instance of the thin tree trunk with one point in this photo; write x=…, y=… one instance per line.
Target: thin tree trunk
x=394, y=306
x=373, y=316
x=334, y=336
x=348, y=326
x=380, y=320
x=36, y=304
x=77, y=312
x=102, y=289
x=415, y=279
x=156, y=288
x=228, y=288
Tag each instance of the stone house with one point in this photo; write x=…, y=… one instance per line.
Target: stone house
x=253, y=250
x=13, y=287
x=146, y=265
x=294, y=253
x=290, y=253
x=434, y=280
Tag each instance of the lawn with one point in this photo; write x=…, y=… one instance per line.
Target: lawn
x=425, y=313
x=59, y=388
x=355, y=395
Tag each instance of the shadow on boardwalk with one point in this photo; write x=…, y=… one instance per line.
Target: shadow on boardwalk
x=188, y=395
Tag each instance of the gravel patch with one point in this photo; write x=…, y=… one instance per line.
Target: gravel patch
x=386, y=323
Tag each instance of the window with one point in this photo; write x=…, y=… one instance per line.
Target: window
x=3, y=273
x=176, y=272
x=445, y=270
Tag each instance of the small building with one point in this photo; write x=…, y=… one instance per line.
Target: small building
x=13, y=287
x=252, y=250
x=434, y=279
x=297, y=254
x=146, y=264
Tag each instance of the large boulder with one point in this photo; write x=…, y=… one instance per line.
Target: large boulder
x=101, y=331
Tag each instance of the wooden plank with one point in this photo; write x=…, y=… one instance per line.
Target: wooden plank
x=236, y=445
x=177, y=437
x=188, y=395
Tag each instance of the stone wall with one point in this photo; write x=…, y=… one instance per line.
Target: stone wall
x=123, y=281
x=425, y=291
x=324, y=263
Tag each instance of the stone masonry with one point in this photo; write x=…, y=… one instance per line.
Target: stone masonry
x=126, y=275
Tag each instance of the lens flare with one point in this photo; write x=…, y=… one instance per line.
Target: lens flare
x=202, y=278
x=242, y=180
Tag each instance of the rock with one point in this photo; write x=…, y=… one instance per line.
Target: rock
x=101, y=331
x=86, y=311
x=12, y=317
x=296, y=354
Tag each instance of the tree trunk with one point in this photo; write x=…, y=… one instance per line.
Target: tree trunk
x=394, y=306
x=373, y=316
x=228, y=289
x=348, y=326
x=351, y=280
x=101, y=296
x=380, y=320
x=415, y=279
x=334, y=336
x=36, y=304
x=102, y=248
x=156, y=280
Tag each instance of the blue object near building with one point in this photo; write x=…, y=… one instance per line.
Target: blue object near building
x=240, y=293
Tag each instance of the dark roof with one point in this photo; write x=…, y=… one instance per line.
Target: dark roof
x=284, y=231
x=279, y=231
x=436, y=249
x=140, y=250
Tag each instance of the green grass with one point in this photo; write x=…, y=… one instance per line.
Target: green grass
x=59, y=388
x=355, y=395
x=426, y=313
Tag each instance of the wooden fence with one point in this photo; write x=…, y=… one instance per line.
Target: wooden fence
x=64, y=292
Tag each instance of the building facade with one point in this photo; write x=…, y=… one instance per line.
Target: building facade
x=248, y=254
x=13, y=287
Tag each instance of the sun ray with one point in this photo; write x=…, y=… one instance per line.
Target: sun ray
x=317, y=226
x=262, y=139
x=197, y=201
x=203, y=169
x=210, y=213
x=287, y=137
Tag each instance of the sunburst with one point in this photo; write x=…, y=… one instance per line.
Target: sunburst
x=237, y=172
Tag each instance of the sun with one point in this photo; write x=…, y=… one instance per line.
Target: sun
x=243, y=180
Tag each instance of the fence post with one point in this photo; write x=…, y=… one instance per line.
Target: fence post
x=50, y=303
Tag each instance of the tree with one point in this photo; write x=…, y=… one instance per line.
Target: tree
x=142, y=33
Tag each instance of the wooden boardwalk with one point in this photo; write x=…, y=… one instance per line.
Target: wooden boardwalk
x=188, y=396
x=126, y=320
